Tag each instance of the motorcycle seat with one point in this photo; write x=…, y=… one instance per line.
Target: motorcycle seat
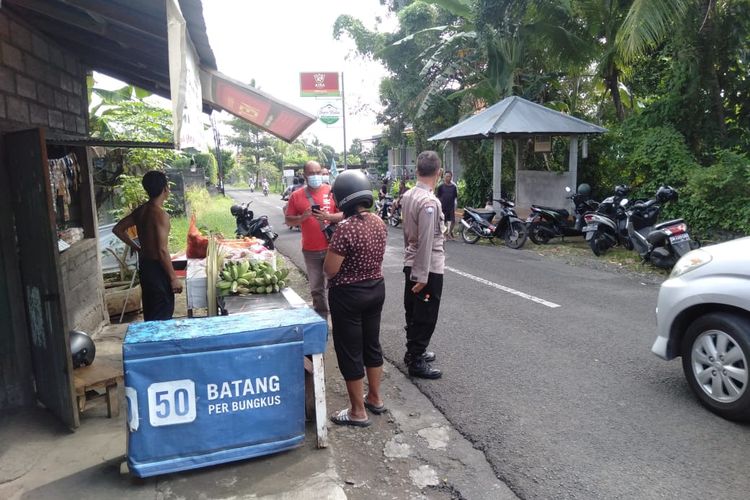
x=561, y=211
x=668, y=223
x=484, y=214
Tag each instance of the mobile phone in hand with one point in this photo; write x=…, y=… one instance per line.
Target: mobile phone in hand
x=315, y=208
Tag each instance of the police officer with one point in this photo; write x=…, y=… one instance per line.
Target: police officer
x=424, y=261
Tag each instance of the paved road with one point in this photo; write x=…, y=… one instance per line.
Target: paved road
x=547, y=369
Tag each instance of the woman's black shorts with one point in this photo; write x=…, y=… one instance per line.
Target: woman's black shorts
x=355, y=314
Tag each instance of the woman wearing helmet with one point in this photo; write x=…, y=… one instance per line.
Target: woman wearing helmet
x=356, y=293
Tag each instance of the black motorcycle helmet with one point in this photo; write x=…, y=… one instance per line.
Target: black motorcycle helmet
x=352, y=188
x=665, y=194
x=584, y=190
x=236, y=210
x=82, y=348
x=622, y=190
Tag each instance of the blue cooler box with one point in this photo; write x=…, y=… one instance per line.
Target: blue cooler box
x=206, y=391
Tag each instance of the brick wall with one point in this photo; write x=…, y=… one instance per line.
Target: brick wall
x=82, y=281
x=41, y=84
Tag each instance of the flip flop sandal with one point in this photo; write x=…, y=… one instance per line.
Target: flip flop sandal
x=377, y=410
x=343, y=418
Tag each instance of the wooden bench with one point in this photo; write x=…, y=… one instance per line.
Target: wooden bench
x=103, y=375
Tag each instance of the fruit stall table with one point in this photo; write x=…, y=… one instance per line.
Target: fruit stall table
x=210, y=390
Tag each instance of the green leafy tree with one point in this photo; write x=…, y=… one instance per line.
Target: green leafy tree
x=123, y=114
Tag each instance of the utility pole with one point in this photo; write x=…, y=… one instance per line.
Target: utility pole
x=343, y=115
x=219, y=161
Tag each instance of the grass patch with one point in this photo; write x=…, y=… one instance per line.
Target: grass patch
x=211, y=214
x=578, y=248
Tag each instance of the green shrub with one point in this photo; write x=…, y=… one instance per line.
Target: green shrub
x=717, y=198
x=642, y=157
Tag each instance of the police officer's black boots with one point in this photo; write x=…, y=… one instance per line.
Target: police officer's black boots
x=428, y=356
x=420, y=368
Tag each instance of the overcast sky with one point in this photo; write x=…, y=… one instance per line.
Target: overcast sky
x=273, y=41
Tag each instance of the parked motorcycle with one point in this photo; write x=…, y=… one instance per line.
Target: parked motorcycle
x=660, y=244
x=257, y=228
x=476, y=224
x=545, y=223
x=606, y=227
x=383, y=207
x=394, y=215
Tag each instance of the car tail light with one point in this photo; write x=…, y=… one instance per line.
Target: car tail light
x=676, y=229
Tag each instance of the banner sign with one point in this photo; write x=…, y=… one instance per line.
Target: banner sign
x=329, y=113
x=185, y=84
x=319, y=84
x=254, y=106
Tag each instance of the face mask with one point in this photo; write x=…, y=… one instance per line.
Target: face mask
x=315, y=181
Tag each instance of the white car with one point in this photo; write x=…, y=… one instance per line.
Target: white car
x=703, y=315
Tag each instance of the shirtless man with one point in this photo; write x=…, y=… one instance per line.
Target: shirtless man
x=158, y=280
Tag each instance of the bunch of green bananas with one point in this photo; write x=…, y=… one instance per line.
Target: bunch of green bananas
x=242, y=277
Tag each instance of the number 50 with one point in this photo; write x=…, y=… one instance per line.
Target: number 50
x=171, y=403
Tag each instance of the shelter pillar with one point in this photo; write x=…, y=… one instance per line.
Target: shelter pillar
x=516, y=192
x=497, y=167
x=573, y=163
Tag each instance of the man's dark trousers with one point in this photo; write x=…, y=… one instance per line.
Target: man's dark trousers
x=421, y=315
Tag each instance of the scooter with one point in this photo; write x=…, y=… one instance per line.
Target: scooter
x=476, y=224
x=660, y=244
x=605, y=227
x=257, y=228
x=545, y=223
x=265, y=191
x=394, y=215
x=383, y=207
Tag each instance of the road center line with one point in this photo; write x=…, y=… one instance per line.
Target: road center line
x=503, y=288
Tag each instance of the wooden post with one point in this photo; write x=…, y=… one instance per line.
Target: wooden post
x=319, y=381
x=497, y=170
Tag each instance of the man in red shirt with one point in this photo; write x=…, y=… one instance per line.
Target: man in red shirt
x=312, y=208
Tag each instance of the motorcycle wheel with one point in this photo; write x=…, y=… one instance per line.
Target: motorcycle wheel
x=394, y=220
x=628, y=244
x=597, y=243
x=468, y=235
x=515, y=236
x=268, y=242
x=539, y=233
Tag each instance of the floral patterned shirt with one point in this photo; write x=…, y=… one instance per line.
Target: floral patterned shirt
x=361, y=241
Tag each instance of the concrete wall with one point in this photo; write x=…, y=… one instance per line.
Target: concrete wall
x=41, y=85
x=539, y=187
x=83, y=286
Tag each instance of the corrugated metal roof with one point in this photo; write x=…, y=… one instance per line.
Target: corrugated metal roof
x=516, y=116
x=126, y=39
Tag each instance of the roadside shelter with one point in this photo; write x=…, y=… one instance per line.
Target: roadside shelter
x=518, y=119
x=47, y=47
